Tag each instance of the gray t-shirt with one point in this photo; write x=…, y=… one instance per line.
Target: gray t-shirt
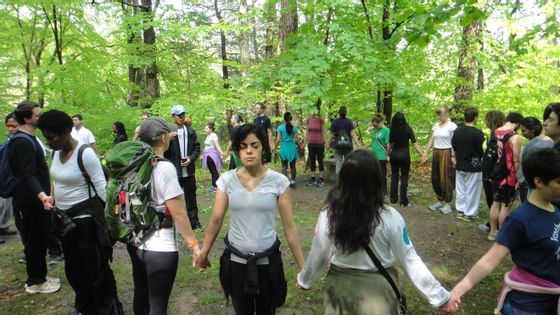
x=253, y=213
x=533, y=145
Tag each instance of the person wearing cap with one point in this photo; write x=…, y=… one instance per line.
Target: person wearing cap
x=155, y=262
x=183, y=152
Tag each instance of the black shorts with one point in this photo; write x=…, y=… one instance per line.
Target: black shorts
x=504, y=193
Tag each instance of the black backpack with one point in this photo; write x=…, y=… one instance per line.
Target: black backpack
x=494, y=164
x=342, y=141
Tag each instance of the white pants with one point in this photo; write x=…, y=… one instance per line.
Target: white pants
x=339, y=159
x=468, y=187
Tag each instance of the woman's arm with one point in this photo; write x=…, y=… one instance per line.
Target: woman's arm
x=417, y=148
x=286, y=213
x=428, y=148
x=178, y=212
x=217, y=145
x=516, y=149
x=93, y=168
x=319, y=255
x=221, y=204
x=355, y=138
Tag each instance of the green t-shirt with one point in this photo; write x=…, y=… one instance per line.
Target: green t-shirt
x=379, y=140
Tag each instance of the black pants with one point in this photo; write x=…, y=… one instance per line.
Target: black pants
x=292, y=168
x=34, y=226
x=384, y=173
x=189, y=188
x=53, y=243
x=489, y=192
x=153, y=274
x=213, y=170
x=88, y=271
x=249, y=304
x=400, y=168
x=316, y=153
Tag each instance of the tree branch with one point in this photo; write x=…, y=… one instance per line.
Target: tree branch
x=397, y=25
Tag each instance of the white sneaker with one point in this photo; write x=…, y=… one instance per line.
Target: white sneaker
x=446, y=209
x=435, y=206
x=45, y=287
x=53, y=280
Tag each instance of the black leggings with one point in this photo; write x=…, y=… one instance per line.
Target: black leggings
x=292, y=168
x=248, y=304
x=213, y=170
x=153, y=274
x=316, y=153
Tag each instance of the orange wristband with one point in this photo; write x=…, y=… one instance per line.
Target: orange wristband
x=193, y=243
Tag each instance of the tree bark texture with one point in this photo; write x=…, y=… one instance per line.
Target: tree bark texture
x=243, y=38
x=288, y=21
x=467, y=66
x=270, y=17
x=223, y=47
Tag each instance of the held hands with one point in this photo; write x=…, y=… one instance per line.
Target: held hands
x=46, y=200
x=185, y=162
x=202, y=261
x=424, y=158
x=453, y=304
x=195, y=254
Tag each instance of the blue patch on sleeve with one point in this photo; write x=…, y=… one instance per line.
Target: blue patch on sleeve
x=406, y=240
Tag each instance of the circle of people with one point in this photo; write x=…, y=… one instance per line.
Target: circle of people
x=358, y=237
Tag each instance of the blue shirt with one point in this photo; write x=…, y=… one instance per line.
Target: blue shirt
x=532, y=236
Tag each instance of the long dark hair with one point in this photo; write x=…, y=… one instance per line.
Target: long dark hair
x=355, y=203
x=399, y=126
x=119, y=127
x=258, y=131
x=288, y=120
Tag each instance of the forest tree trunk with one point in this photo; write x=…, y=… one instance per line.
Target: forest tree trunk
x=288, y=21
x=467, y=67
x=223, y=47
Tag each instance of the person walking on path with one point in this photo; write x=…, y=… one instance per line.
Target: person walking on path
x=234, y=162
x=343, y=137
x=398, y=151
x=354, y=221
x=251, y=269
x=211, y=157
x=285, y=137
x=32, y=198
x=532, y=129
x=466, y=158
x=79, y=205
x=183, y=152
x=315, y=140
x=442, y=170
x=379, y=142
x=505, y=188
x=155, y=261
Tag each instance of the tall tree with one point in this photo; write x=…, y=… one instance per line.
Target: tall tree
x=288, y=21
x=223, y=46
x=467, y=68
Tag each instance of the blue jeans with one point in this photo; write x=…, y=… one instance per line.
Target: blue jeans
x=508, y=309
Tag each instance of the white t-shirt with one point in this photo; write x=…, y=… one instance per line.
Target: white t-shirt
x=209, y=141
x=253, y=213
x=390, y=244
x=165, y=186
x=70, y=186
x=83, y=135
x=443, y=134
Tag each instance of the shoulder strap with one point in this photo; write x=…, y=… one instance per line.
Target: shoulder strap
x=382, y=270
x=83, y=170
x=23, y=135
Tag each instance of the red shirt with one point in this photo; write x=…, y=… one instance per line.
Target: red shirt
x=315, y=130
x=511, y=179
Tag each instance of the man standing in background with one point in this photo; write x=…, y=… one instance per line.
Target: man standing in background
x=81, y=133
x=264, y=121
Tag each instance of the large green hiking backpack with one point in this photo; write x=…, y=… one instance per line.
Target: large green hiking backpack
x=130, y=216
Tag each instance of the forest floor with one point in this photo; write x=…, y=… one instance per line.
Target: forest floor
x=447, y=245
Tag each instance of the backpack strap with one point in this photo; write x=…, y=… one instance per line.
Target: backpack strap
x=23, y=135
x=83, y=170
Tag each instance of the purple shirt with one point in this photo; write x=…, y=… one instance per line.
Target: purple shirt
x=342, y=123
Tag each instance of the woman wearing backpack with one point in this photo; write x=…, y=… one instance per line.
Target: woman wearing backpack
x=155, y=260
x=251, y=268
x=285, y=137
x=354, y=221
x=343, y=137
x=79, y=205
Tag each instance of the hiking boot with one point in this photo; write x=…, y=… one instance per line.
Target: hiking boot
x=320, y=182
x=435, y=206
x=45, y=287
x=446, y=209
x=310, y=182
x=54, y=260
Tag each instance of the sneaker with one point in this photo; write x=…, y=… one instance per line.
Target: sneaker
x=484, y=227
x=22, y=260
x=293, y=183
x=492, y=236
x=435, y=206
x=53, y=280
x=469, y=218
x=54, y=260
x=460, y=215
x=320, y=182
x=45, y=287
x=446, y=209
x=311, y=181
